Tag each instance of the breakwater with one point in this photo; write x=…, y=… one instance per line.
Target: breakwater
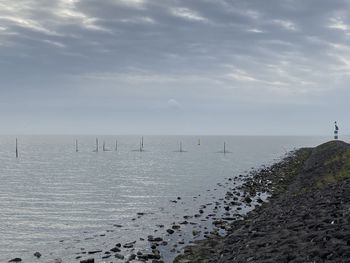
x=307, y=218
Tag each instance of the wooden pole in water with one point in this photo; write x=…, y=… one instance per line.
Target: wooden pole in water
x=16, y=148
x=116, y=145
x=104, y=146
x=224, y=147
x=96, y=145
x=76, y=146
x=142, y=141
x=140, y=146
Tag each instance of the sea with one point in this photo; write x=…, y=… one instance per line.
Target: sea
x=64, y=199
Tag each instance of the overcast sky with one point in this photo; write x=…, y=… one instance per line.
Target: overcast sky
x=174, y=66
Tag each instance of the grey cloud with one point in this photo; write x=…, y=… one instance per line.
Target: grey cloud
x=117, y=53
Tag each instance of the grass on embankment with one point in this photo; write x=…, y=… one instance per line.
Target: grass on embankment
x=338, y=168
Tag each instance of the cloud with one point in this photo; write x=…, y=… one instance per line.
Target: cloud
x=173, y=104
x=55, y=43
x=288, y=25
x=221, y=52
x=188, y=14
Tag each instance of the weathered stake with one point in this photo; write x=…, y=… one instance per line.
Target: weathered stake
x=76, y=146
x=96, y=150
x=16, y=148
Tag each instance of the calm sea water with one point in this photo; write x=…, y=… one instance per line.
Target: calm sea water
x=58, y=201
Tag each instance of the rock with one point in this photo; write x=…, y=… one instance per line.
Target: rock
x=248, y=199
x=90, y=260
x=94, y=251
x=196, y=232
x=129, y=245
x=16, y=260
x=37, y=254
x=119, y=256
x=151, y=238
x=115, y=249
x=170, y=231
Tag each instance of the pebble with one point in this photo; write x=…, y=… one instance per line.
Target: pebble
x=170, y=231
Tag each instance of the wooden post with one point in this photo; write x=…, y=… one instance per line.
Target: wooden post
x=96, y=145
x=116, y=145
x=76, y=146
x=16, y=148
x=104, y=146
x=140, y=146
x=224, y=147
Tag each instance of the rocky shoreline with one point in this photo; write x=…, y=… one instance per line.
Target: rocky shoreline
x=297, y=210
x=307, y=218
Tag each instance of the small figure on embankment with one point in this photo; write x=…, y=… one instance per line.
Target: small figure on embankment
x=307, y=219
x=336, y=130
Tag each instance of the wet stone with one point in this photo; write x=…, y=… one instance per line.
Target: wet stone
x=170, y=231
x=115, y=249
x=129, y=245
x=119, y=256
x=94, y=251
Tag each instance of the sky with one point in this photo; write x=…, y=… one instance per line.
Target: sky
x=272, y=67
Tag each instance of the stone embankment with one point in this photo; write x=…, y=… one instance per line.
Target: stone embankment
x=307, y=218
